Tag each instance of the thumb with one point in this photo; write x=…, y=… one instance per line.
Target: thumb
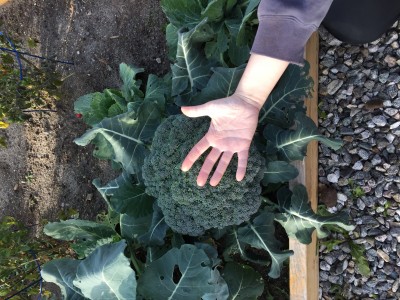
x=196, y=111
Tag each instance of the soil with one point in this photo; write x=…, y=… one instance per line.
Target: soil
x=42, y=172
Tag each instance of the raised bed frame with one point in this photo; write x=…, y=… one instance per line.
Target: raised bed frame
x=304, y=265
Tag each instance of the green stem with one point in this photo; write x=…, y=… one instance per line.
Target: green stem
x=135, y=261
x=266, y=200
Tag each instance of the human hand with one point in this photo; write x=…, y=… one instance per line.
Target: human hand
x=233, y=124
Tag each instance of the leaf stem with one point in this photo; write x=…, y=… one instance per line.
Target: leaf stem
x=135, y=261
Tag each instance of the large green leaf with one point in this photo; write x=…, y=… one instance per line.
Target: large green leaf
x=125, y=197
x=291, y=145
x=106, y=274
x=260, y=234
x=93, y=107
x=85, y=248
x=128, y=135
x=243, y=281
x=298, y=218
x=133, y=227
x=215, y=49
x=157, y=231
x=130, y=87
x=292, y=88
x=233, y=245
x=197, y=277
x=76, y=230
x=191, y=71
x=222, y=83
x=242, y=36
x=182, y=13
x=279, y=171
x=62, y=272
x=214, y=11
x=156, y=90
x=172, y=41
x=87, y=235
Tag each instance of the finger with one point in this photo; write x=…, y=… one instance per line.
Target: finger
x=194, y=154
x=196, y=111
x=243, y=156
x=209, y=163
x=222, y=166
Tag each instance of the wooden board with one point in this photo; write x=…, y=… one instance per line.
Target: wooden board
x=304, y=265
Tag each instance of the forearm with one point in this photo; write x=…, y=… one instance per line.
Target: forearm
x=259, y=78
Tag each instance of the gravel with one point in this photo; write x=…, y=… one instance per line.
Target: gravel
x=359, y=91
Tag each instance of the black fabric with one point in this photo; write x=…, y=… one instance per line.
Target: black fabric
x=361, y=21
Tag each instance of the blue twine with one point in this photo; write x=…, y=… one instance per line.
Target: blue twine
x=40, y=270
x=37, y=56
x=40, y=280
x=16, y=54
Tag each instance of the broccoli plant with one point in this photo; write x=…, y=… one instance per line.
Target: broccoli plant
x=177, y=236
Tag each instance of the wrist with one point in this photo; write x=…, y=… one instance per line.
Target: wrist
x=250, y=99
x=259, y=78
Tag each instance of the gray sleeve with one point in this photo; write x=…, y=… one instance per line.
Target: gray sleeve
x=286, y=25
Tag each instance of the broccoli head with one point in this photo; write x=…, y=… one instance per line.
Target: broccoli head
x=188, y=208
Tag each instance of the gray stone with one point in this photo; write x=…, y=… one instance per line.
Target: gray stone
x=363, y=154
x=333, y=178
x=391, y=111
x=365, y=134
x=383, y=255
x=391, y=61
x=334, y=86
x=360, y=204
x=358, y=165
x=379, y=120
x=323, y=265
x=376, y=160
x=395, y=231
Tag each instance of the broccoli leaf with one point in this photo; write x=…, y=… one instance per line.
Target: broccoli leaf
x=292, y=144
x=279, y=171
x=182, y=13
x=133, y=227
x=292, y=88
x=93, y=107
x=106, y=274
x=72, y=229
x=216, y=48
x=157, y=231
x=125, y=197
x=156, y=90
x=130, y=87
x=62, y=272
x=85, y=248
x=243, y=281
x=214, y=11
x=172, y=41
x=242, y=33
x=222, y=83
x=260, y=235
x=298, y=218
x=127, y=135
x=86, y=235
x=191, y=71
x=197, y=277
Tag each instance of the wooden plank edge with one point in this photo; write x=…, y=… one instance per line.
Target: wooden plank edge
x=304, y=264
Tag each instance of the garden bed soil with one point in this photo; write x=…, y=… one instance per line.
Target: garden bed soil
x=42, y=172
